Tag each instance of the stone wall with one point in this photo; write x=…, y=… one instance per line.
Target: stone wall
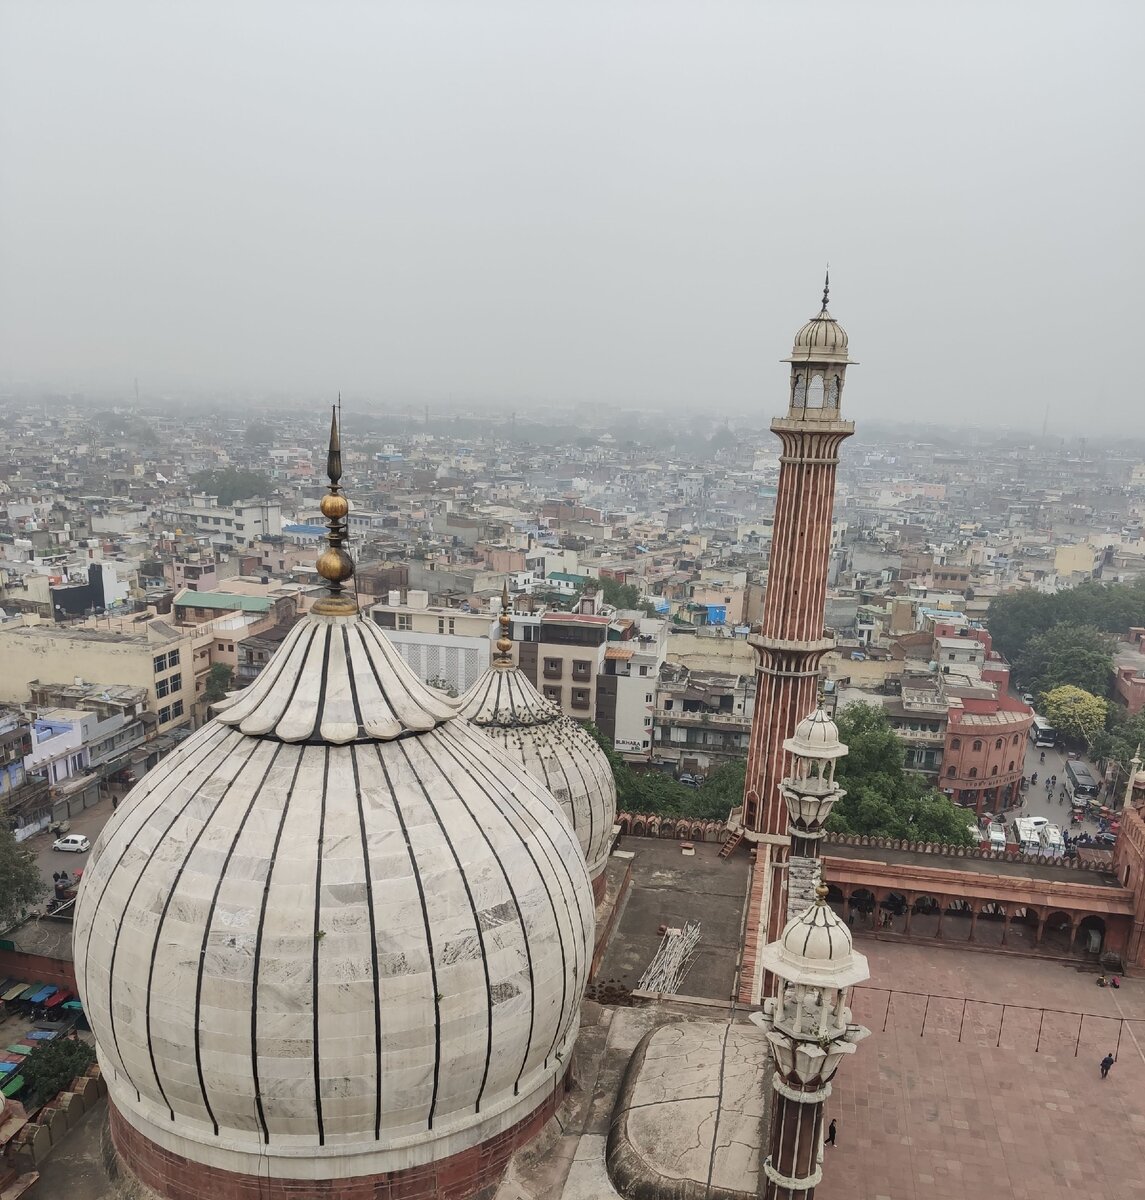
x=945, y=851
x=471, y=1174
x=15, y=964
x=803, y=875
x=689, y=829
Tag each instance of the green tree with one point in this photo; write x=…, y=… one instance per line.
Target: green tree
x=52, y=1066
x=232, y=484
x=1079, y=655
x=884, y=799
x=1078, y=714
x=219, y=679
x=21, y=885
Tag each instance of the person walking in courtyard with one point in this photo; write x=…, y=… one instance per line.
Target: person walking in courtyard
x=831, y=1133
x=1106, y=1063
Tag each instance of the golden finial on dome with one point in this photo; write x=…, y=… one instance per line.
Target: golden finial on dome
x=504, y=655
x=334, y=563
x=821, y=893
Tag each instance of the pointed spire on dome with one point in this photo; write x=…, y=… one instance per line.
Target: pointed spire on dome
x=334, y=563
x=826, y=288
x=504, y=656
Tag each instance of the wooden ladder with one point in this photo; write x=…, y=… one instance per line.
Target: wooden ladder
x=730, y=843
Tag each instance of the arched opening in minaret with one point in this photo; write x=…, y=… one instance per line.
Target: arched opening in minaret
x=815, y=392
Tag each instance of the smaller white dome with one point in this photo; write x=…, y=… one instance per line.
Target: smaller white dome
x=816, y=947
x=822, y=339
x=816, y=736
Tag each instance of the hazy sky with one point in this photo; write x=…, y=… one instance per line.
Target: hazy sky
x=558, y=200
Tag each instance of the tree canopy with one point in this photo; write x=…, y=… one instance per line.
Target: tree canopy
x=21, y=885
x=654, y=792
x=53, y=1065
x=1017, y=617
x=884, y=799
x=219, y=679
x=620, y=595
x=1074, y=712
x=1068, y=654
x=232, y=484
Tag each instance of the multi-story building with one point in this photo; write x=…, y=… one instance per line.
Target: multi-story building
x=626, y=688
x=702, y=718
x=229, y=525
x=567, y=659
x=147, y=653
x=449, y=648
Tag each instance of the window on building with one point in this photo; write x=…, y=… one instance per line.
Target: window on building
x=956, y=743
x=386, y=620
x=176, y=683
x=553, y=694
x=440, y=624
x=951, y=656
x=647, y=697
x=643, y=670
x=176, y=709
x=973, y=772
x=160, y=663
x=230, y=648
x=1014, y=739
x=950, y=772
x=993, y=770
x=162, y=687
x=77, y=762
x=527, y=633
x=581, y=669
x=580, y=698
x=977, y=744
x=998, y=744
x=164, y=715
x=405, y=621
x=452, y=624
x=553, y=668
x=647, y=722
x=173, y=658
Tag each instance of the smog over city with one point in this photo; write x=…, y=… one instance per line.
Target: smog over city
x=572, y=600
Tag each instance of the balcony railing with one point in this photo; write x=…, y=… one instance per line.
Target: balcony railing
x=723, y=720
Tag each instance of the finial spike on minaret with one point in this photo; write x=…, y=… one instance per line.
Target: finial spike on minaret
x=334, y=563
x=826, y=287
x=504, y=656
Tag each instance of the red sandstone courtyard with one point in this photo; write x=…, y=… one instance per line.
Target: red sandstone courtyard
x=930, y=1118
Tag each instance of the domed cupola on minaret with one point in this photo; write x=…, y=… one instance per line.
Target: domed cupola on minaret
x=506, y=707
x=336, y=944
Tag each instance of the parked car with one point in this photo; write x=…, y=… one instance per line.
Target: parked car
x=75, y=843
x=1027, y=697
x=691, y=781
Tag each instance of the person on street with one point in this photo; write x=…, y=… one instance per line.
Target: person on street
x=831, y=1127
x=1106, y=1063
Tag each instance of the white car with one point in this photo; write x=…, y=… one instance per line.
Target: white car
x=74, y=842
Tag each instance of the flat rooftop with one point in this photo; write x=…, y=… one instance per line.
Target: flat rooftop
x=989, y=866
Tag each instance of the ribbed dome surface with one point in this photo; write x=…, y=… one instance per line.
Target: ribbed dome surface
x=822, y=339
x=336, y=923
x=816, y=948
x=555, y=750
x=816, y=736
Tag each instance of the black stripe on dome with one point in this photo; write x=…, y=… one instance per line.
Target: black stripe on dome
x=479, y=765
x=317, y=934
x=207, y=932
x=298, y=674
x=255, y=745
x=472, y=909
x=416, y=871
x=373, y=943
x=449, y=736
x=323, y=682
x=258, y=946
x=209, y=746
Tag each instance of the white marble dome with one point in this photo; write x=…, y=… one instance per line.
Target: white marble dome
x=822, y=339
x=556, y=751
x=816, y=736
x=338, y=932
x=816, y=948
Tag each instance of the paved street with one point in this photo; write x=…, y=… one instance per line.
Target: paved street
x=89, y=823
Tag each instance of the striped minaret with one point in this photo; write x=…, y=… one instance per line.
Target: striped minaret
x=790, y=640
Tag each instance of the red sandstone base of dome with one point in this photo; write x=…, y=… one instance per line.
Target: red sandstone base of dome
x=471, y=1174
x=599, y=885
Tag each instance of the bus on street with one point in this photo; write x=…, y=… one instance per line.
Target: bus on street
x=1079, y=785
x=1042, y=733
